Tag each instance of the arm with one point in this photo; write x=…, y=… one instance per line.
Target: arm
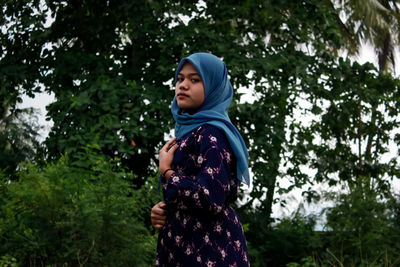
x=206, y=191
x=166, y=155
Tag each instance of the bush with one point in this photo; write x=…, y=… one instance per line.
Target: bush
x=290, y=240
x=75, y=213
x=362, y=231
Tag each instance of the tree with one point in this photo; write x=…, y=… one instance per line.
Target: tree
x=104, y=86
x=375, y=22
x=360, y=216
x=346, y=124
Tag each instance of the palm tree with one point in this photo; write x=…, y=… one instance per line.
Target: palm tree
x=18, y=137
x=371, y=21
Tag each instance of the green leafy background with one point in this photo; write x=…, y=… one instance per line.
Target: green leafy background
x=316, y=119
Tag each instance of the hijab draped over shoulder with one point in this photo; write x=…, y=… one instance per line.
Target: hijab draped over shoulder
x=214, y=111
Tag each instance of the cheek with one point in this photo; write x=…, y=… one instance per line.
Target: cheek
x=202, y=94
x=201, y=98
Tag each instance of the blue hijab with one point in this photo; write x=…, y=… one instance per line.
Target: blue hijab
x=214, y=111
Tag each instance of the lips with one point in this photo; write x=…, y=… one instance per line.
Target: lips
x=181, y=95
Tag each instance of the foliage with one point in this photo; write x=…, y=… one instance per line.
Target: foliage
x=18, y=138
x=349, y=149
x=8, y=261
x=289, y=240
x=305, y=262
x=361, y=231
x=110, y=64
x=110, y=116
x=87, y=54
x=104, y=49
x=91, y=52
x=374, y=21
x=359, y=113
x=72, y=213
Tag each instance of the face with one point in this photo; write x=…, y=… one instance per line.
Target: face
x=189, y=88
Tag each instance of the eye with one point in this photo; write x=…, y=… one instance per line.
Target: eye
x=195, y=80
x=179, y=80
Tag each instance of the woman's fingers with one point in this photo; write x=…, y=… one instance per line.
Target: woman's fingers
x=166, y=155
x=168, y=144
x=160, y=207
x=158, y=215
x=172, y=144
x=154, y=222
x=158, y=226
x=158, y=221
x=173, y=148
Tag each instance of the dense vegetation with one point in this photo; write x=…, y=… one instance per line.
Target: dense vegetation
x=316, y=119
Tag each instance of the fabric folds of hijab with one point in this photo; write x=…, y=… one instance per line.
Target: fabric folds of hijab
x=214, y=111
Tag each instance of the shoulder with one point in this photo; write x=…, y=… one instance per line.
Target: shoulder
x=208, y=129
x=207, y=133
x=203, y=135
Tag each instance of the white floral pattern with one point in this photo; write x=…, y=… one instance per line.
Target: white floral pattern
x=212, y=138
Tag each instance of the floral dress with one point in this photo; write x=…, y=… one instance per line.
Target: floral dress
x=201, y=228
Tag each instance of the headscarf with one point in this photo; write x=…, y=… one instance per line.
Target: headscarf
x=218, y=93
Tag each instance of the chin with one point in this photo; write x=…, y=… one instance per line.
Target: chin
x=183, y=106
x=187, y=107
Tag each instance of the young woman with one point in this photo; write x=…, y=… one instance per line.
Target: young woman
x=202, y=168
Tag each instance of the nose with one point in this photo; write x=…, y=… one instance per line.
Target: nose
x=184, y=84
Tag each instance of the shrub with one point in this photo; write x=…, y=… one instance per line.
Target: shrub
x=75, y=213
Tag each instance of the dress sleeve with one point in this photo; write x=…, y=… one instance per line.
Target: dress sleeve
x=208, y=188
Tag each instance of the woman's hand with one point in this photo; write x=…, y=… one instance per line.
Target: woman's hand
x=158, y=216
x=166, y=155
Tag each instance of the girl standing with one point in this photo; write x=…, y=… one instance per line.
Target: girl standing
x=202, y=168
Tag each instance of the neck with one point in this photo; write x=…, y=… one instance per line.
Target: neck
x=189, y=111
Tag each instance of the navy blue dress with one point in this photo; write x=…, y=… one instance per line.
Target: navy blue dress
x=201, y=228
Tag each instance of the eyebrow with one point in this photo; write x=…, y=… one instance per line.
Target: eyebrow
x=190, y=74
